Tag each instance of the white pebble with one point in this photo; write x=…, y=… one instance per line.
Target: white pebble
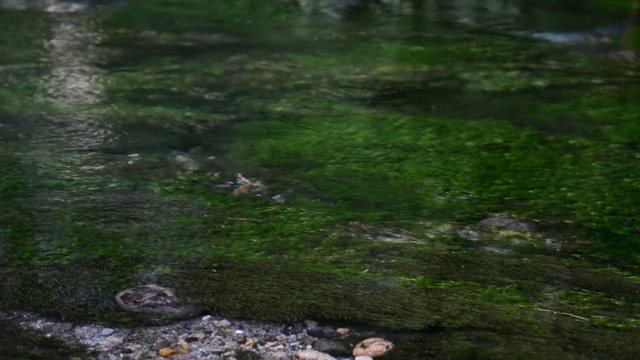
x=206, y=317
x=107, y=332
x=239, y=332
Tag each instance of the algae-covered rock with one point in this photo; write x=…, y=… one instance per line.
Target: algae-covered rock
x=508, y=223
x=157, y=300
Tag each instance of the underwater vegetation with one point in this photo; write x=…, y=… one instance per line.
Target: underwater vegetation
x=373, y=149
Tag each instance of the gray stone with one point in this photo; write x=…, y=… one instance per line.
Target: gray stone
x=107, y=331
x=312, y=325
x=332, y=347
x=279, y=355
x=183, y=159
x=328, y=331
x=164, y=343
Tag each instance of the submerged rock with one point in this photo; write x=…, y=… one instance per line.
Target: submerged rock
x=508, y=223
x=338, y=347
x=183, y=159
x=157, y=300
x=373, y=347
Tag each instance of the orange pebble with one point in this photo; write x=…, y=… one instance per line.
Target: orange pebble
x=166, y=352
x=249, y=342
x=242, y=189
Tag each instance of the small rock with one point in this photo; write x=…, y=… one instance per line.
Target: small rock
x=166, y=352
x=239, y=338
x=223, y=323
x=332, y=347
x=311, y=355
x=292, y=329
x=373, y=347
x=107, y=331
x=242, y=189
x=343, y=331
x=183, y=159
x=194, y=337
x=206, y=317
x=113, y=341
x=307, y=341
x=363, y=358
x=312, y=325
x=249, y=342
x=317, y=332
x=278, y=199
x=279, y=355
x=271, y=344
x=164, y=343
x=328, y=331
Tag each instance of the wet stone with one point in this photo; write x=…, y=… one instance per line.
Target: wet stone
x=164, y=343
x=183, y=159
x=332, y=347
x=107, y=331
x=292, y=329
x=373, y=347
x=330, y=332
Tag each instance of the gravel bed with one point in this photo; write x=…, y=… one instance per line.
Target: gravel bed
x=205, y=337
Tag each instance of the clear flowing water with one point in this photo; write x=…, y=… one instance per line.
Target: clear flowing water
x=374, y=137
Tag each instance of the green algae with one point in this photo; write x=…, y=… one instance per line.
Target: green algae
x=388, y=149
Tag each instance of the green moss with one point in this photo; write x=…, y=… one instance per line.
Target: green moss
x=388, y=149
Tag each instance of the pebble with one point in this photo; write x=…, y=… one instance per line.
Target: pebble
x=107, y=331
x=206, y=317
x=363, y=358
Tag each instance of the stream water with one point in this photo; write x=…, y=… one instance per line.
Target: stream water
x=332, y=160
